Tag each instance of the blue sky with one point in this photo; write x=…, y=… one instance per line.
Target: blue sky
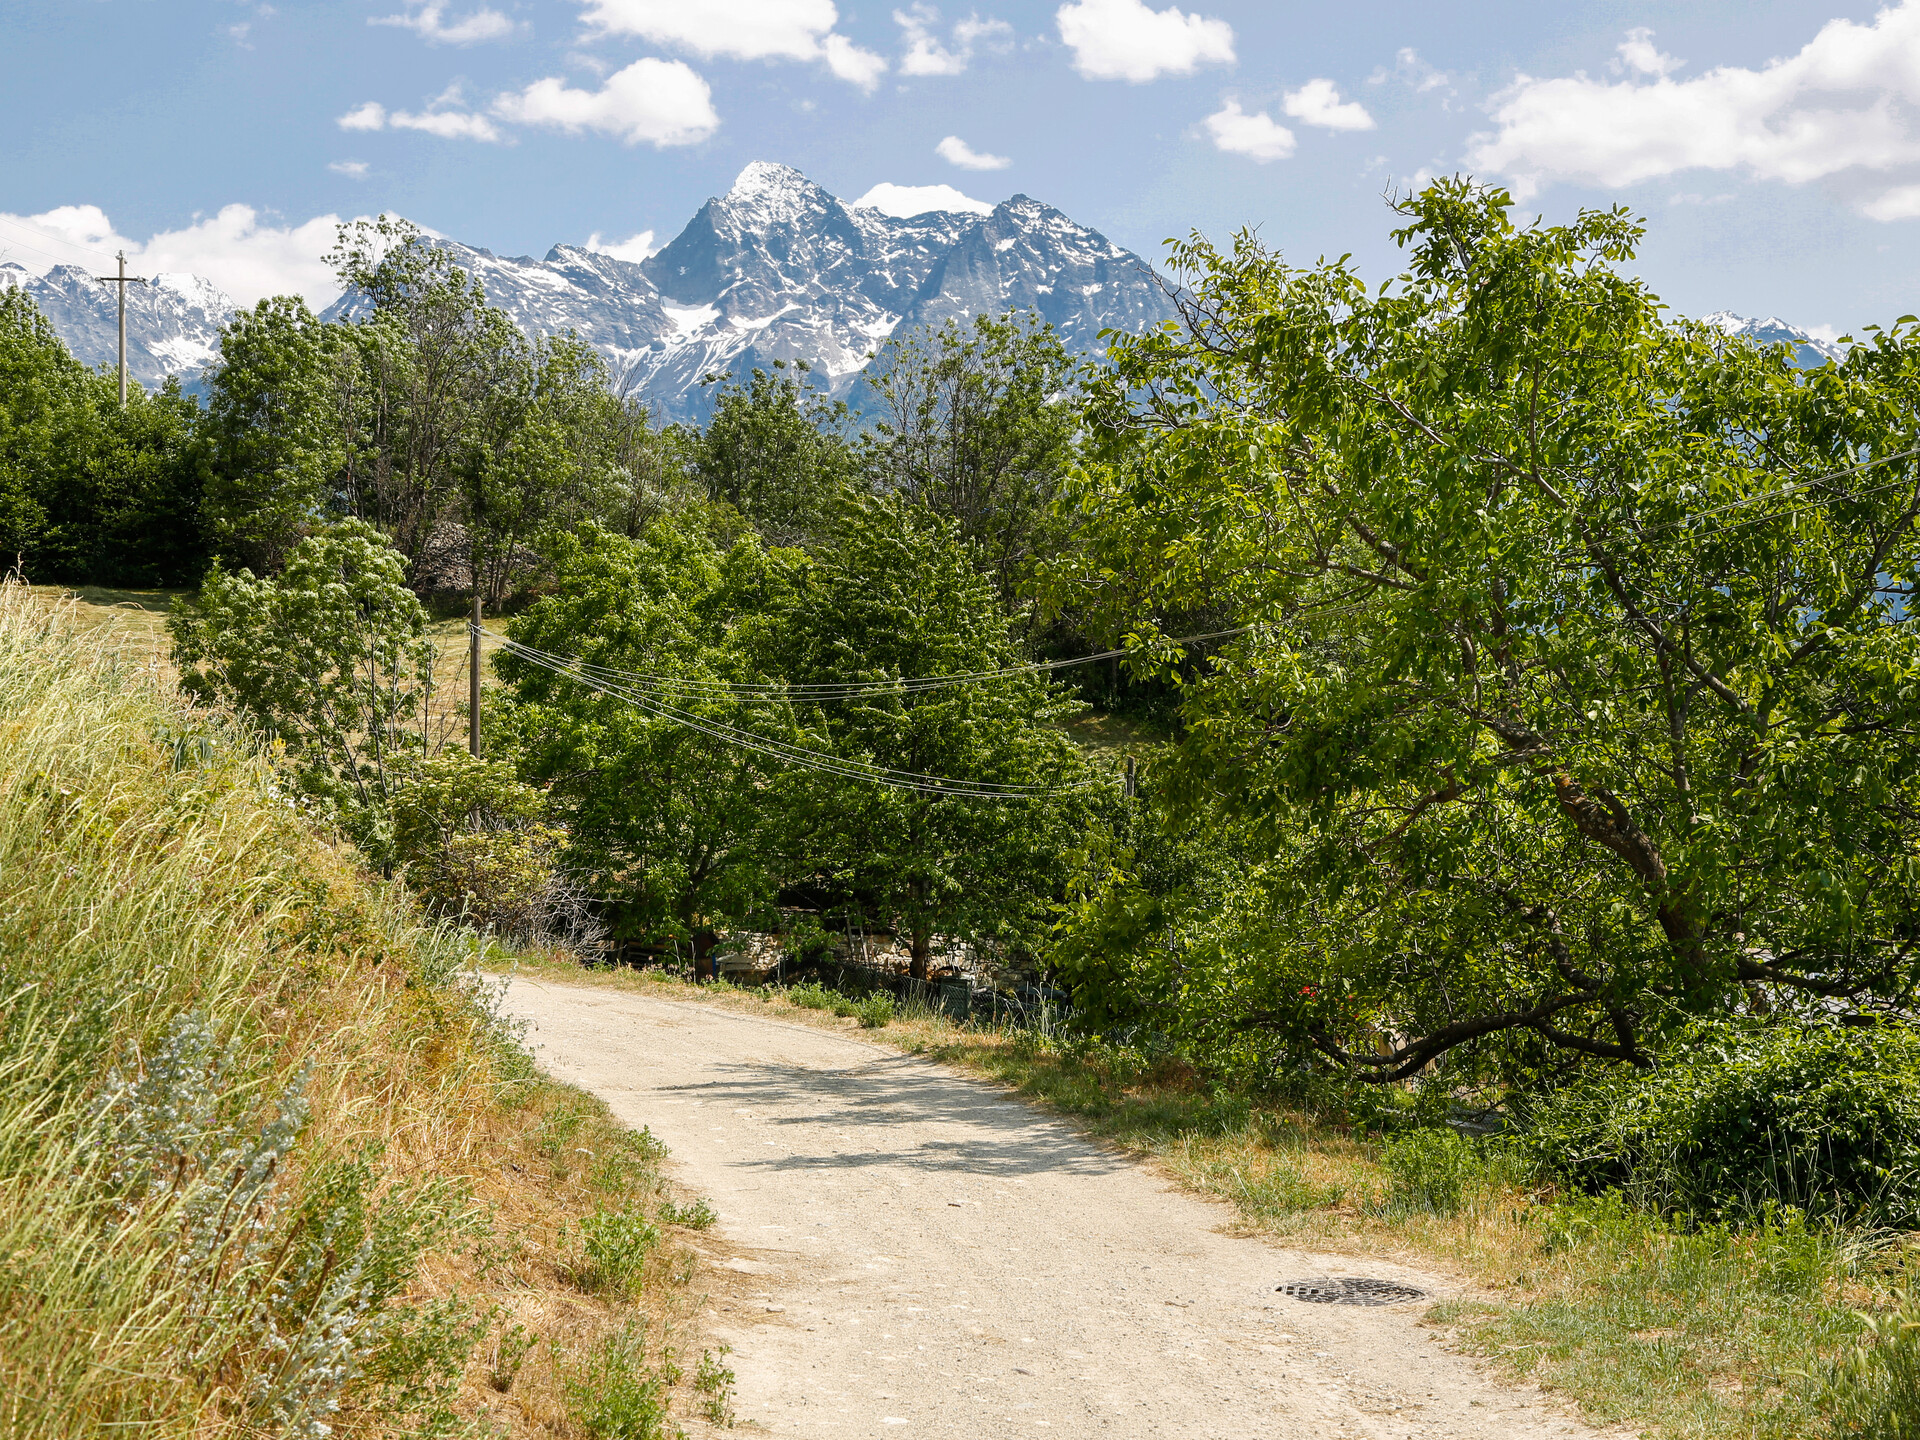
x=1773, y=147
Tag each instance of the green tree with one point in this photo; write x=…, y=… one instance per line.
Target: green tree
x=330, y=658
x=673, y=830
x=279, y=435
x=477, y=845
x=776, y=451
x=1581, y=687
x=896, y=596
x=89, y=492
x=978, y=424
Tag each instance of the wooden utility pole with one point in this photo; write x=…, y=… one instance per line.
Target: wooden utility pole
x=473, y=666
x=122, y=280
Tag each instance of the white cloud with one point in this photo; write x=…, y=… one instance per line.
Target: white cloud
x=1639, y=54
x=370, y=116
x=1415, y=73
x=447, y=124
x=352, y=169
x=741, y=30
x=902, y=201
x=1257, y=136
x=241, y=255
x=1845, y=102
x=851, y=63
x=659, y=102
x=1902, y=202
x=928, y=55
x=635, y=247
x=1124, y=40
x=427, y=19
x=956, y=151
x=1318, y=103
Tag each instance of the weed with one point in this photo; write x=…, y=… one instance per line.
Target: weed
x=614, y=1395
x=714, y=1383
x=876, y=1011
x=697, y=1216
x=510, y=1349
x=616, y=1245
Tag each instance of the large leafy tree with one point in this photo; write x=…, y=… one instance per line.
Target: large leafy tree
x=91, y=492
x=1581, y=691
x=775, y=450
x=330, y=658
x=674, y=830
x=977, y=422
x=897, y=596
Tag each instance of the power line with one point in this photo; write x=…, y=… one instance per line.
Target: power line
x=779, y=692
x=49, y=235
x=807, y=758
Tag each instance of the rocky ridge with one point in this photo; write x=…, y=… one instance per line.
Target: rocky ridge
x=778, y=268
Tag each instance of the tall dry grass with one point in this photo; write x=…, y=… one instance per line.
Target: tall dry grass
x=267, y=1164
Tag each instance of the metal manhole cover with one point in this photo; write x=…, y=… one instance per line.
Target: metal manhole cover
x=1352, y=1290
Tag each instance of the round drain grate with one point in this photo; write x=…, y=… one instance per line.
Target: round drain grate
x=1352, y=1290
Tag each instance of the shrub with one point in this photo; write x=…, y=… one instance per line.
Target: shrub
x=616, y=1395
x=476, y=848
x=876, y=1011
x=617, y=1244
x=1431, y=1171
x=1822, y=1117
x=812, y=996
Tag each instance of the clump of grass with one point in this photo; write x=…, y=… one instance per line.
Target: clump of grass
x=1874, y=1391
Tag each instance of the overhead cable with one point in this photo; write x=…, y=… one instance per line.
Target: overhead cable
x=824, y=761
x=776, y=692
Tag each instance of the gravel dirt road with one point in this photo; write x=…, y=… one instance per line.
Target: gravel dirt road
x=907, y=1251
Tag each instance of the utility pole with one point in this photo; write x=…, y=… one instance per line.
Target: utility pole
x=473, y=667
x=122, y=280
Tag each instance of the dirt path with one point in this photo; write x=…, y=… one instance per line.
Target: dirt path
x=915, y=1253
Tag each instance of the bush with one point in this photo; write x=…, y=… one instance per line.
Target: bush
x=616, y=1395
x=476, y=848
x=876, y=1011
x=1822, y=1117
x=617, y=1244
x=1431, y=1171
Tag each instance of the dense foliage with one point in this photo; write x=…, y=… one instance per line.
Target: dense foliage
x=91, y=493
x=1823, y=1117
x=1579, y=690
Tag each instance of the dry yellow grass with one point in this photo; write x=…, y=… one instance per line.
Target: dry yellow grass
x=155, y=877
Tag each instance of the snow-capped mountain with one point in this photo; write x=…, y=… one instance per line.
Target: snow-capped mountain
x=1808, y=350
x=775, y=269
x=779, y=269
x=173, y=321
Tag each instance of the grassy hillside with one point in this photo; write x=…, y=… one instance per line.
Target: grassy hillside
x=268, y=1166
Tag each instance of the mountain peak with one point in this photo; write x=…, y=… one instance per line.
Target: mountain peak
x=765, y=185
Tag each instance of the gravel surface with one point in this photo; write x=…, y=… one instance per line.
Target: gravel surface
x=903, y=1250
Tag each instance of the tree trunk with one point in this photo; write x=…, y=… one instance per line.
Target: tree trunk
x=919, y=949
x=704, y=967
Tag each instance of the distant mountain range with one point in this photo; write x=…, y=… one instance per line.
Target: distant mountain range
x=775, y=269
